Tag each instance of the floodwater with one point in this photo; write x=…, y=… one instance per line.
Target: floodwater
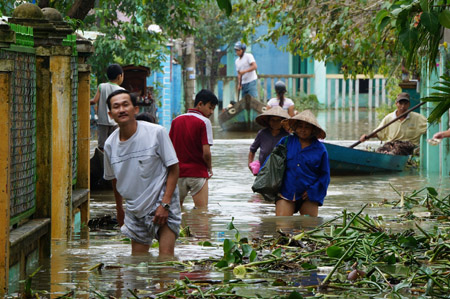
x=230, y=196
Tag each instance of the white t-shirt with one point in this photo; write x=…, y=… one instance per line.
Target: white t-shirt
x=140, y=166
x=276, y=102
x=244, y=64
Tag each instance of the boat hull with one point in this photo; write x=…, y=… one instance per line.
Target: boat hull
x=241, y=117
x=350, y=161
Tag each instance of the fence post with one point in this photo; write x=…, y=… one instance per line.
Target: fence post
x=4, y=178
x=370, y=91
x=377, y=92
x=336, y=93
x=357, y=94
x=344, y=91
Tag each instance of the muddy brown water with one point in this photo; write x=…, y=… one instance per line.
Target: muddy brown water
x=230, y=196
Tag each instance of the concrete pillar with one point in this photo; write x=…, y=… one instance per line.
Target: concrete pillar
x=320, y=81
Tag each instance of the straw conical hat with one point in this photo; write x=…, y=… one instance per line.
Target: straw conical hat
x=306, y=116
x=263, y=119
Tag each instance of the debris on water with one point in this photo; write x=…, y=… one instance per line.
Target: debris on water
x=104, y=222
x=434, y=141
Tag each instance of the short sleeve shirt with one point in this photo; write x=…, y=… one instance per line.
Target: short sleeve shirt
x=189, y=132
x=276, y=102
x=265, y=141
x=140, y=165
x=105, y=90
x=243, y=64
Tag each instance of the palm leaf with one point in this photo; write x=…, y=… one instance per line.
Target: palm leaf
x=443, y=89
x=438, y=111
x=442, y=98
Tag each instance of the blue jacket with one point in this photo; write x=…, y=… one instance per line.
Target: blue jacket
x=307, y=170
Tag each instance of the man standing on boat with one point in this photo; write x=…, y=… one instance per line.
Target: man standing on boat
x=191, y=135
x=143, y=166
x=246, y=70
x=407, y=128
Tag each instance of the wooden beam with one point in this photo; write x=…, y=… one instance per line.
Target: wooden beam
x=84, y=133
x=4, y=181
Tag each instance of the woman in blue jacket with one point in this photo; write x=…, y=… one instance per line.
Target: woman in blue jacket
x=307, y=174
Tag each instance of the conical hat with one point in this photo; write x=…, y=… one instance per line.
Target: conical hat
x=306, y=116
x=263, y=119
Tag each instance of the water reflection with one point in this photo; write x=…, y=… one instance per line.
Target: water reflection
x=230, y=196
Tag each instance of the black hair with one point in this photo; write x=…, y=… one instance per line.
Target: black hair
x=113, y=71
x=205, y=96
x=120, y=91
x=146, y=116
x=280, y=94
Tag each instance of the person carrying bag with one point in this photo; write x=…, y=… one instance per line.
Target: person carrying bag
x=270, y=177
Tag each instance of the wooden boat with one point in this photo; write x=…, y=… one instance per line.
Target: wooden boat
x=241, y=116
x=349, y=161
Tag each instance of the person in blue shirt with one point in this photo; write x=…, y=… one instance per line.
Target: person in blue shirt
x=307, y=174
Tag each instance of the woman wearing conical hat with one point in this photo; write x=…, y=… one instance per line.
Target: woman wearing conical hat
x=307, y=174
x=267, y=138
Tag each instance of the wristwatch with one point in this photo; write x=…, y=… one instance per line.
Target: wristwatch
x=165, y=206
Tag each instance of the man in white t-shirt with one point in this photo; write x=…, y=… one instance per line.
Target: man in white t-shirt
x=246, y=69
x=142, y=163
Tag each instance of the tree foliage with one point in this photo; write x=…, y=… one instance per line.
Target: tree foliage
x=419, y=28
x=337, y=31
x=215, y=34
x=123, y=24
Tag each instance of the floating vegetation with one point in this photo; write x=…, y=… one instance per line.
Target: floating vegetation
x=360, y=256
x=351, y=255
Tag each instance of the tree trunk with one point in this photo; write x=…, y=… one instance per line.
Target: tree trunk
x=189, y=71
x=80, y=9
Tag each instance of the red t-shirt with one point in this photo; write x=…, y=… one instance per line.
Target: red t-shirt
x=189, y=132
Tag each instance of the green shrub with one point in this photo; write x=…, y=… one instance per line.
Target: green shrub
x=304, y=102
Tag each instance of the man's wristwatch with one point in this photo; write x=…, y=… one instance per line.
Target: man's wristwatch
x=165, y=206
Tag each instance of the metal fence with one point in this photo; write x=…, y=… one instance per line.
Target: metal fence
x=23, y=134
x=74, y=69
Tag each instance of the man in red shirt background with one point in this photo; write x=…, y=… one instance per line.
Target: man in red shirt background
x=191, y=135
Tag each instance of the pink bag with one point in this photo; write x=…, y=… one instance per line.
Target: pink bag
x=255, y=166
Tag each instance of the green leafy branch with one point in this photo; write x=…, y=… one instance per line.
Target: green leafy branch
x=441, y=98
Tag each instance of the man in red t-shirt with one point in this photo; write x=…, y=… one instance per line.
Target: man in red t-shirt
x=191, y=135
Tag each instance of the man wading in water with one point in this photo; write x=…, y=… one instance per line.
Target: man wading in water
x=141, y=161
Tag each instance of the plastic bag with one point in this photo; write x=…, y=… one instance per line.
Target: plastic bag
x=270, y=177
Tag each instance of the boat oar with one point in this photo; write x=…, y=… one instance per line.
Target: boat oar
x=388, y=124
x=238, y=90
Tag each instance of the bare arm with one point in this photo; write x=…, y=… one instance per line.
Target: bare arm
x=251, y=157
x=239, y=78
x=119, y=204
x=291, y=111
x=252, y=67
x=207, y=158
x=96, y=98
x=442, y=134
x=161, y=213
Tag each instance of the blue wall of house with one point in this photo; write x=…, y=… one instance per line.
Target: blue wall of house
x=168, y=84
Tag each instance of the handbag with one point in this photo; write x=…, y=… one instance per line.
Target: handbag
x=270, y=177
